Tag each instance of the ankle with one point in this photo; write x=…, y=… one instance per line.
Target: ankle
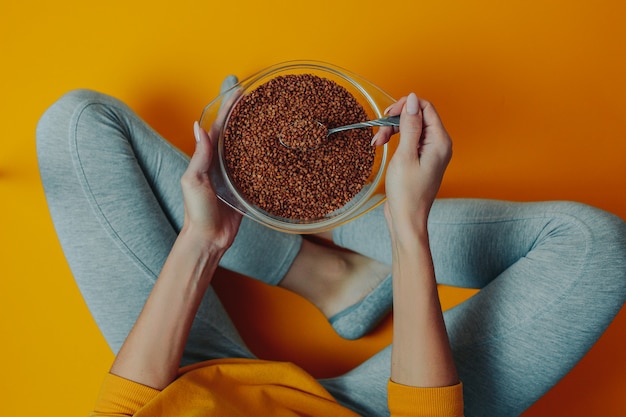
x=332, y=279
x=317, y=273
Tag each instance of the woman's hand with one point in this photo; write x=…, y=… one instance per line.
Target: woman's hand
x=416, y=170
x=152, y=351
x=207, y=218
x=421, y=354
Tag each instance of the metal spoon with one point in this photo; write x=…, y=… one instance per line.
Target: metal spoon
x=311, y=143
x=383, y=121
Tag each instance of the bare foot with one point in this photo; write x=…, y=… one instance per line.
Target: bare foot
x=333, y=279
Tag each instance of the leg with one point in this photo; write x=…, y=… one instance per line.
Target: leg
x=113, y=191
x=556, y=289
x=552, y=277
x=333, y=279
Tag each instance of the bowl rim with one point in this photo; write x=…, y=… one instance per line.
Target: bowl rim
x=367, y=199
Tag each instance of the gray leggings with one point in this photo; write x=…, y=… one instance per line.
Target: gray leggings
x=551, y=276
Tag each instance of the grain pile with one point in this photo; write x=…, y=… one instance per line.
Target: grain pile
x=312, y=177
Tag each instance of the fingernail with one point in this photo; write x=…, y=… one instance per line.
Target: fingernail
x=412, y=105
x=196, y=131
x=374, y=138
x=388, y=109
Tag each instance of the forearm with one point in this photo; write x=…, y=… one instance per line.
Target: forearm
x=421, y=354
x=153, y=349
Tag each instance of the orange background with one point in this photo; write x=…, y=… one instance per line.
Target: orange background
x=532, y=92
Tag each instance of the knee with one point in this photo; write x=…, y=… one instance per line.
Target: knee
x=605, y=245
x=73, y=98
x=55, y=126
x=54, y=123
x=600, y=224
x=68, y=102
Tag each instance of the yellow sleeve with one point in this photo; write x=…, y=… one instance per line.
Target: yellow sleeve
x=406, y=401
x=121, y=397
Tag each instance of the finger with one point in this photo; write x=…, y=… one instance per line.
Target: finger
x=435, y=131
x=410, y=126
x=201, y=158
x=385, y=133
x=431, y=119
x=396, y=108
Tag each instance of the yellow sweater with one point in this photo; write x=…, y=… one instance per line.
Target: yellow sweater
x=245, y=387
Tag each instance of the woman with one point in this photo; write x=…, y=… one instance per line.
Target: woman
x=143, y=251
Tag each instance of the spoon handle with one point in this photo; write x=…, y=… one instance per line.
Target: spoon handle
x=384, y=121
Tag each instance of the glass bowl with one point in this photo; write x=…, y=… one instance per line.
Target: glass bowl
x=373, y=99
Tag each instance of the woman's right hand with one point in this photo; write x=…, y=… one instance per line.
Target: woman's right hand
x=417, y=167
x=421, y=353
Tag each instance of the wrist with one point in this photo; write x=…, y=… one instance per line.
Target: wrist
x=408, y=231
x=197, y=239
x=200, y=254
x=407, y=219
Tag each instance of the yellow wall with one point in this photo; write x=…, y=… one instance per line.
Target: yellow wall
x=533, y=93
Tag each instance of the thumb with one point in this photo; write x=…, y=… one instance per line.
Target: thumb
x=203, y=154
x=410, y=126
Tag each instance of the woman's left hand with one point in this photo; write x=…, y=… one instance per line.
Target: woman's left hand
x=208, y=218
x=153, y=349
